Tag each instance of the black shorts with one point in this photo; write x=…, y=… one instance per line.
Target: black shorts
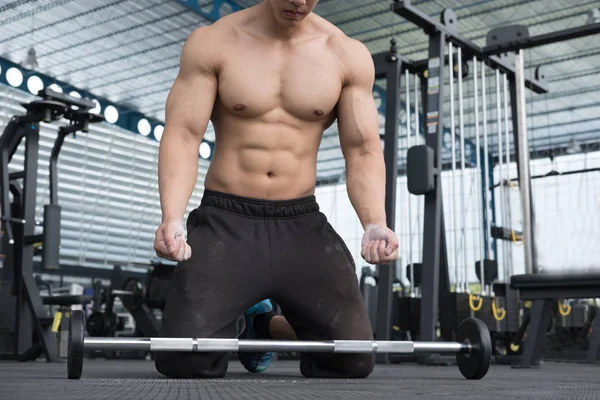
x=247, y=250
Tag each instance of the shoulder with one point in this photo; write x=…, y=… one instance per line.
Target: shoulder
x=205, y=45
x=210, y=36
x=356, y=59
x=354, y=56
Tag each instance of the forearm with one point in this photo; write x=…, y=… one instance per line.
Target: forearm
x=365, y=182
x=177, y=174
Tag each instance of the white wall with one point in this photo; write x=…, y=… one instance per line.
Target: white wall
x=567, y=213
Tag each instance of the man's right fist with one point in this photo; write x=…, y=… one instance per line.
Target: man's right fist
x=170, y=243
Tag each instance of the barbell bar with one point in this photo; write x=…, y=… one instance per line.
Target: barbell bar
x=473, y=347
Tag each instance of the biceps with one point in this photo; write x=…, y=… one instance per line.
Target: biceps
x=190, y=104
x=358, y=121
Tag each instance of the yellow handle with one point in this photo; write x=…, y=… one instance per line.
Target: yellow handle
x=473, y=307
x=517, y=239
x=564, y=311
x=56, y=322
x=514, y=347
x=527, y=304
x=498, y=316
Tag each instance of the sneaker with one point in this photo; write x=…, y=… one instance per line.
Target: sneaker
x=255, y=362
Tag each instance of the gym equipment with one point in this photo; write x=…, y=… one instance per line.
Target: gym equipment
x=473, y=347
x=134, y=290
x=543, y=290
x=26, y=327
x=138, y=297
x=421, y=173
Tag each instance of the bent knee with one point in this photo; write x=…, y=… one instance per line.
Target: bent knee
x=362, y=367
x=190, y=366
x=347, y=366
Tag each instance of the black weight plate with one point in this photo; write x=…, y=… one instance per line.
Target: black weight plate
x=135, y=286
x=98, y=324
x=474, y=365
x=76, y=336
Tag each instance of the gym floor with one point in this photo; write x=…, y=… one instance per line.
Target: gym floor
x=128, y=379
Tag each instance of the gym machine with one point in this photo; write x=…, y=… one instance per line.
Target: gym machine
x=140, y=298
x=438, y=307
x=542, y=290
x=26, y=329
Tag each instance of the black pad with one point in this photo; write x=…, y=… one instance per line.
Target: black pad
x=419, y=164
x=505, y=35
x=490, y=271
x=65, y=300
x=557, y=285
x=556, y=279
x=51, y=237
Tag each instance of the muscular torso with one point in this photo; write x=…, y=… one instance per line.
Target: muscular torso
x=274, y=101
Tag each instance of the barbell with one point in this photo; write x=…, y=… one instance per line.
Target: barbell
x=473, y=346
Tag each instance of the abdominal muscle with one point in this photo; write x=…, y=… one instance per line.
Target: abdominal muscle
x=272, y=159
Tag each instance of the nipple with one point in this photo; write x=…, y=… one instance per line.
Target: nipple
x=319, y=112
x=239, y=107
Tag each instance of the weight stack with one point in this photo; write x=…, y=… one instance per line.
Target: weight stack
x=576, y=318
x=407, y=314
x=454, y=308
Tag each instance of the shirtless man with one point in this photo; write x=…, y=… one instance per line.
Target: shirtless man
x=271, y=78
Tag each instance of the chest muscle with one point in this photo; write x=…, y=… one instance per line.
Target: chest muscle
x=305, y=83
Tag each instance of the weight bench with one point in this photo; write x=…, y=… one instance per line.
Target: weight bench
x=65, y=300
x=543, y=290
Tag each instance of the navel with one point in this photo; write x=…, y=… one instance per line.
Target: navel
x=239, y=107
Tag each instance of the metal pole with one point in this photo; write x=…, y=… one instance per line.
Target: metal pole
x=433, y=235
x=461, y=124
x=524, y=164
x=500, y=168
x=486, y=166
x=385, y=272
x=507, y=166
x=408, y=145
x=241, y=345
x=453, y=172
x=481, y=204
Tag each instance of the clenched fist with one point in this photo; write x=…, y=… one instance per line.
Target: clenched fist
x=170, y=243
x=379, y=245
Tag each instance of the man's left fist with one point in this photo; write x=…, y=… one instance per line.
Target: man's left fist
x=379, y=245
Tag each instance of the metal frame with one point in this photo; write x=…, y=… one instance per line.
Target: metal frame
x=435, y=266
x=544, y=297
x=385, y=272
x=524, y=42
x=404, y=9
x=27, y=331
x=30, y=317
x=144, y=318
x=79, y=271
x=435, y=256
